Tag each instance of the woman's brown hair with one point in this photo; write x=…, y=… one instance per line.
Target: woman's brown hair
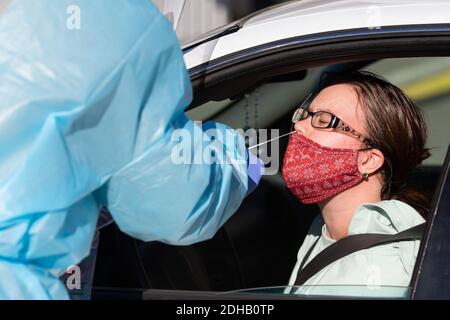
x=396, y=127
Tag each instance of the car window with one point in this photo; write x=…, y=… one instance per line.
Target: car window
x=259, y=107
x=427, y=82
x=270, y=105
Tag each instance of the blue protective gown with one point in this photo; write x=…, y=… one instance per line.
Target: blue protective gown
x=90, y=94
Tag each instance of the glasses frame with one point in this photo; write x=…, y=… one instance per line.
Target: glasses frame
x=302, y=113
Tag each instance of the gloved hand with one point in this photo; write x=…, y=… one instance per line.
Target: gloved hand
x=255, y=169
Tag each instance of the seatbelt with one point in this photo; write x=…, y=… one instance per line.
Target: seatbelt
x=349, y=245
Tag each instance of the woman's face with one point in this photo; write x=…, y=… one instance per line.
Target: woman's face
x=342, y=101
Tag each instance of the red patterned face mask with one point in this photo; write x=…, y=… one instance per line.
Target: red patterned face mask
x=314, y=173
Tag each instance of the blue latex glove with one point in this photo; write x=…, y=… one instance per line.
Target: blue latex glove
x=86, y=117
x=255, y=169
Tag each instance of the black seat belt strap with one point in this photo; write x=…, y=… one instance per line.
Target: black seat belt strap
x=349, y=245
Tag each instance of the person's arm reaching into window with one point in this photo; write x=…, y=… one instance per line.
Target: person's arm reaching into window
x=91, y=97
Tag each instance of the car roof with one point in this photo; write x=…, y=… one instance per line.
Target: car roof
x=301, y=18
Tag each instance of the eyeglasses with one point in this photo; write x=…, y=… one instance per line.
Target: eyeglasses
x=327, y=120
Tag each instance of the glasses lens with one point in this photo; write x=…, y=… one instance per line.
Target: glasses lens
x=321, y=119
x=298, y=115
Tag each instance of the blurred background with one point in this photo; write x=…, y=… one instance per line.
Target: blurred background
x=200, y=16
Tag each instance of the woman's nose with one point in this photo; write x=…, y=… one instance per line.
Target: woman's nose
x=301, y=126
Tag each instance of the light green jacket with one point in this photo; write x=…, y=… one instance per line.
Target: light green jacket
x=382, y=271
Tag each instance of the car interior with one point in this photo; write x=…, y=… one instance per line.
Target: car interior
x=257, y=246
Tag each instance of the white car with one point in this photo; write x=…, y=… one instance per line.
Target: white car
x=252, y=74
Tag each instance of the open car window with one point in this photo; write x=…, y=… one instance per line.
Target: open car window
x=263, y=106
x=427, y=82
x=267, y=227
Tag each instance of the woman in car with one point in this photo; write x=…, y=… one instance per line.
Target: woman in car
x=355, y=144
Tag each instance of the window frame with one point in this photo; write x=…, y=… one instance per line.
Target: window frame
x=294, y=54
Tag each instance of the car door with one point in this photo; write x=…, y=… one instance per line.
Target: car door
x=430, y=280
x=432, y=275
x=233, y=76
x=236, y=74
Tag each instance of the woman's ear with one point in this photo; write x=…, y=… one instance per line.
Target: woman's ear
x=369, y=161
